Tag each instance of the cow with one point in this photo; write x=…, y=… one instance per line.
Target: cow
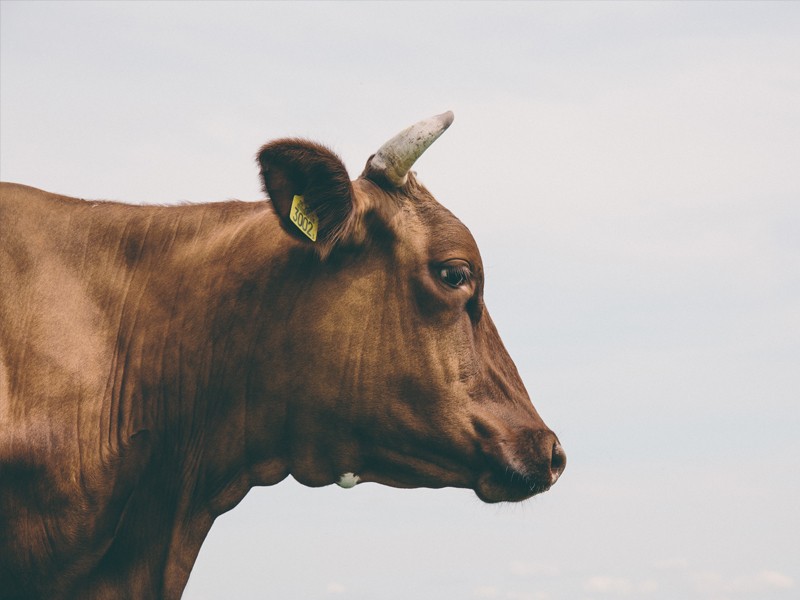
x=156, y=362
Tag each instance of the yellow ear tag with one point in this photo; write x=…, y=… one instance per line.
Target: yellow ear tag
x=305, y=220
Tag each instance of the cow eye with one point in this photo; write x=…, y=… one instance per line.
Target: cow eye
x=455, y=275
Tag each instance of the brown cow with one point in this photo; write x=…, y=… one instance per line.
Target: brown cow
x=157, y=362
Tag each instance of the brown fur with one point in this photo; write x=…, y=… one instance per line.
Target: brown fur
x=157, y=362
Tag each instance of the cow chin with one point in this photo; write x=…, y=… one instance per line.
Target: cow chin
x=509, y=486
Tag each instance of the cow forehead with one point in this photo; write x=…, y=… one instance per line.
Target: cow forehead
x=448, y=237
x=417, y=218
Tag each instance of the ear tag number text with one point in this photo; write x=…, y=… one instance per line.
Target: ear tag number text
x=305, y=220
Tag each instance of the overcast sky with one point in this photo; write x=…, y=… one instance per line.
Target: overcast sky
x=632, y=175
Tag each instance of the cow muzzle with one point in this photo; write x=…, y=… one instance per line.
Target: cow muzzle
x=520, y=466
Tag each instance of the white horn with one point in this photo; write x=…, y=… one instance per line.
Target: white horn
x=395, y=158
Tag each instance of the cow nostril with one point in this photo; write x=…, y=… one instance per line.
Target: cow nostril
x=558, y=462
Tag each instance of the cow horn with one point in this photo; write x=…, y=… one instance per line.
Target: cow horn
x=395, y=158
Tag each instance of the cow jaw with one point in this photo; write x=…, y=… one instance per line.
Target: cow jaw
x=506, y=466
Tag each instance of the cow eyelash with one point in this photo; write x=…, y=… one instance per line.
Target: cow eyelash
x=455, y=275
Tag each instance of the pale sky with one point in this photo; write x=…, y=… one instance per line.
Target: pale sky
x=630, y=172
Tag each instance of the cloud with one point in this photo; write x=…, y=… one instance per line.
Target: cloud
x=711, y=582
x=488, y=591
x=774, y=579
x=334, y=587
x=609, y=585
x=523, y=568
x=648, y=586
x=527, y=596
x=619, y=586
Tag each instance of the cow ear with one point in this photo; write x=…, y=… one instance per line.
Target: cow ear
x=310, y=190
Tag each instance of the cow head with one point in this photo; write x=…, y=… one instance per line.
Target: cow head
x=390, y=369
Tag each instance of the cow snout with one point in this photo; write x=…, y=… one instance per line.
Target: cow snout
x=558, y=462
x=521, y=465
x=544, y=458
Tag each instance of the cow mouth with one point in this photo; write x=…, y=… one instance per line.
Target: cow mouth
x=495, y=481
x=497, y=469
x=509, y=485
x=496, y=485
